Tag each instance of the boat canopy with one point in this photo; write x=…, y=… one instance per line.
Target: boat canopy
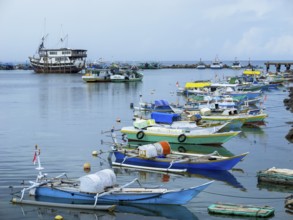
x=251, y=72
x=161, y=103
x=197, y=84
x=166, y=118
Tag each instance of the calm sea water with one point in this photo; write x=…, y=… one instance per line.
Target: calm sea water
x=66, y=117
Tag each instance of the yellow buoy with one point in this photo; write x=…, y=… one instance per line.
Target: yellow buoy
x=95, y=153
x=87, y=167
x=58, y=217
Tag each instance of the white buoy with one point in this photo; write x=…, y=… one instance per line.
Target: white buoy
x=95, y=153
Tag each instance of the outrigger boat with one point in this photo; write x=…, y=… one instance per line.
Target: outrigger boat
x=146, y=130
x=158, y=156
x=101, y=188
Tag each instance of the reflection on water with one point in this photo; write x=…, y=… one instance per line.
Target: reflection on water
x=155, y=177
x=271, y=187
x=252, y=130
x=132, y=211
x=35, y=212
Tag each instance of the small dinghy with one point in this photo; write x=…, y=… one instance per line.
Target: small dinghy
x=241, y=210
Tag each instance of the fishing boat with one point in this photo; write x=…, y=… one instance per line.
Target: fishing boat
x=241, y=210
x=216, y=64
x=251, y=117
x=173, y=120
x=160, y=157
x=101, y=188
x=112, y=75
x=157, y=106
x=61, y=60
x=236, y=64
x=143, y=130
x=200, y=65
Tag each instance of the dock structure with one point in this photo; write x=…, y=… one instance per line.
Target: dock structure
x=278, y=65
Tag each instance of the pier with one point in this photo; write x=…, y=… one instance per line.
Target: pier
x=278, y=65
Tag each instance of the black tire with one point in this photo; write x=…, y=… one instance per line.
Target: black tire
x=140, y=135
x=181, y=149
x=181, y=138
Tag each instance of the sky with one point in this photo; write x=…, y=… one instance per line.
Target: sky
x=149, y=30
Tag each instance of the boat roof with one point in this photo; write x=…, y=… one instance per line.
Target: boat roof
x=62, y=49
x=161, y=117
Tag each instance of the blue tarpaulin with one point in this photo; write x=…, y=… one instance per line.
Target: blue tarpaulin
x=166, y=118
x=161, y=103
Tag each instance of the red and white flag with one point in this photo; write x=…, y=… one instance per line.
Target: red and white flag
x=35, y=158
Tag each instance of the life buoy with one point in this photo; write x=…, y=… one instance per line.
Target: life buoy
x=140, y=135
x=181, y=149
x=181, y=138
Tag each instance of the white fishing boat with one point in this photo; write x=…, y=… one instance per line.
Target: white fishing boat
x=200, y=65
x=216, y=64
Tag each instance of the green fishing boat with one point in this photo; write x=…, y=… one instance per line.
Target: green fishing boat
x=145, y=131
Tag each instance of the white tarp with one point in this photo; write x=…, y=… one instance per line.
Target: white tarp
x=97, y=182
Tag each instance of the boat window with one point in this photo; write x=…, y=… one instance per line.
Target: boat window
x=66, y=52
x=53, y=52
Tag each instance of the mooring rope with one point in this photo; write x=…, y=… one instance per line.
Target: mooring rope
x=243, y=197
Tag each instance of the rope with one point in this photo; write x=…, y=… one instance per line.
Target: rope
x=243, y=197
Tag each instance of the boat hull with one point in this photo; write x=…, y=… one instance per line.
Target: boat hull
x=39, y=67
x=213, y=164
x=174, y=197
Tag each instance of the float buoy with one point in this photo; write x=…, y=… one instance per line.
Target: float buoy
x=58, y=217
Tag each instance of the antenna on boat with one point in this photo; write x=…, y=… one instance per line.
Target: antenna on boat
x=63, y=39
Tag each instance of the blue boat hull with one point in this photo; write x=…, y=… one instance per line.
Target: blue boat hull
x=172, y=197
x=224, y=164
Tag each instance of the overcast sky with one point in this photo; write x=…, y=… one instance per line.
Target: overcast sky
x=150, y=30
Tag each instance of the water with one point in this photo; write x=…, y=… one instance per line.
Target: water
x=66, y=117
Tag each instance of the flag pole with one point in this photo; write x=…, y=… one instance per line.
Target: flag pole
x=37, y=158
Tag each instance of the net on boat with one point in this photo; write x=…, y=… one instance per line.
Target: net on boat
x=97, y=182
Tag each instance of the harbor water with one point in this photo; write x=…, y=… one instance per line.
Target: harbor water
x=67, y=118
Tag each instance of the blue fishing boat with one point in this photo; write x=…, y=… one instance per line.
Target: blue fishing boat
x=122, y=195
x=158, y=156
x=101, y=188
